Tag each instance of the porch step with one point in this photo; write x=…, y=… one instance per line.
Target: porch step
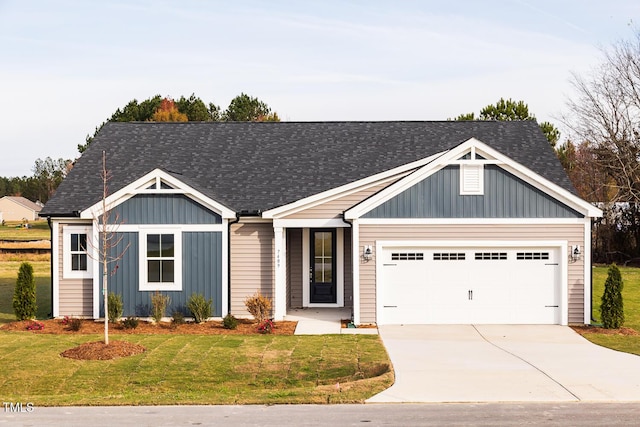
x=322, y=321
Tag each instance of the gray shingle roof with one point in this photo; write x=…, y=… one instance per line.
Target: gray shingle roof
x=260, y=166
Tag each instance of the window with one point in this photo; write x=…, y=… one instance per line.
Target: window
x=160, y=260
x=532, y=255
x=407, y=256
x=76, y=262
x=490, y=256
x=448, y=256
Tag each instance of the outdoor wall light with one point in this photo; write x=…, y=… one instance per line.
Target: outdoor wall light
x=367, y=254
x=575, y=253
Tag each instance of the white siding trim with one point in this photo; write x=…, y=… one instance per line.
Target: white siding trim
x=587, y=272
x=280, y=263
x=310, y=223
x=355, y=246
x=562, y=245
x=96, y=270
x=224, y=283
x=55, y=279
x=467, y=221
x=306, y=267
x=140, y=185
x=144, y=284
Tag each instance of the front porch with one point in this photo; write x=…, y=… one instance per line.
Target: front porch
x=321, y=321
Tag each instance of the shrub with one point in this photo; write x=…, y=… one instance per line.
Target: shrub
x=199, y=307
x=24, y=296
x=177, y=318
x=266, y=327
x=259, y=306
x=611, y=308
x=131, y=322
x=75, y=324
x=159, y=303
x=229, y=322
x=114, y=307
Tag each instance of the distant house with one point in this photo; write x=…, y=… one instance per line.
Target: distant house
x=403, y=222
x=16, y=208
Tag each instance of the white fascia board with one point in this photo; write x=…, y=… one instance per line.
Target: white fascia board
x=140, y=185
x=344, y=190
x=494, y=157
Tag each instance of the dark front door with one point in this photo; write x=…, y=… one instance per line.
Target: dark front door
x=323, y=266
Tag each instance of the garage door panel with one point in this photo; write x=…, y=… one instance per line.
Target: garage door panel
x=470, y=285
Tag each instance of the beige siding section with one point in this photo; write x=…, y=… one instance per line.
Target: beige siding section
x=75, y=295
x=335, y=208
x=294, y=268
x=573, y=233
x=252, y=271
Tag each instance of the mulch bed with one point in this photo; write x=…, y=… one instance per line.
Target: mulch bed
x=583, y=330
x=97, y=350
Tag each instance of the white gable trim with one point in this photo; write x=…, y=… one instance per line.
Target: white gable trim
x=140, y=186
x=345, y=190
x=493, y=157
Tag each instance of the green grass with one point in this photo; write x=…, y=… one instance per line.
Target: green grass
x=8, y=277
x=631, y=299
x=188, y=369
x=11, y=230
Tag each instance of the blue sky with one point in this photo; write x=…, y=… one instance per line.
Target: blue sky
x=66, y=65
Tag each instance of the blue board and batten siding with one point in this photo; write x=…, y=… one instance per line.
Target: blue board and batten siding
x=505, y=196
x=163, y=209
x=201, y=253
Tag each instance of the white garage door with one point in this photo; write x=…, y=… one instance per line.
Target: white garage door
x=469, y=285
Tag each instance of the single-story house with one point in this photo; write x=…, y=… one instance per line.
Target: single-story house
x=404, y=222
x=18, y=208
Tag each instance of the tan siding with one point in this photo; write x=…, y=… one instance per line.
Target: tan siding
x=76, y=297
x=573, y=233
x=252, y=246
x=334, y=208
x=294, y=268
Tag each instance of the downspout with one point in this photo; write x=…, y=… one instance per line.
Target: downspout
x=51, y=261
x=593, y=321
x=229, y=224
x=352, y=261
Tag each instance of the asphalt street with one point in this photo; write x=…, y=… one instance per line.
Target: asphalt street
x=434, y=414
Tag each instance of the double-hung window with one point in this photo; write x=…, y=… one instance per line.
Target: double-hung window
x=76, y=261
x=160, y=260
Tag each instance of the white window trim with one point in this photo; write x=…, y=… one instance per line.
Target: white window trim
x=67, y=272
x=177, y=267
x=306, y=268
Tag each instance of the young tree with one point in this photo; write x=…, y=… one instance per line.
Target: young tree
x=168, y=112
x=244, y=108
x=611, y=308
x=24, y=296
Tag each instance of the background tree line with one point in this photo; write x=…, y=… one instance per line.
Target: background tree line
x=49, y=173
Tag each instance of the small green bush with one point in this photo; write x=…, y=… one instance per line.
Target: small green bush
x=114, y=307
x=199, y=307
x=229, y=322
x=177, y=318
x=611, y=307
x=159, y=303
x=74, y=324
x=259, y=306
x=131, y=322
x=24, y=296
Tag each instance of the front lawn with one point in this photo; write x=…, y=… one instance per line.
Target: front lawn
x=195, y=369
x=631, y=298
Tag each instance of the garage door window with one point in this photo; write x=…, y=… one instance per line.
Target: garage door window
x=448, y=256
x=482, y=256
x=532, y=255
x=407, y=256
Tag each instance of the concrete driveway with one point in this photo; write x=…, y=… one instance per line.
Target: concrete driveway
x=504, y=363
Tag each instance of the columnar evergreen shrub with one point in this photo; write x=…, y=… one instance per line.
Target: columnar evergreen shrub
x=199, y=307
x=114, y=307
x=259, y=306
x=24, y=296
x=611, y=308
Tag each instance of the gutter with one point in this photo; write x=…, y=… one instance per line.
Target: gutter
x=51, y=262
